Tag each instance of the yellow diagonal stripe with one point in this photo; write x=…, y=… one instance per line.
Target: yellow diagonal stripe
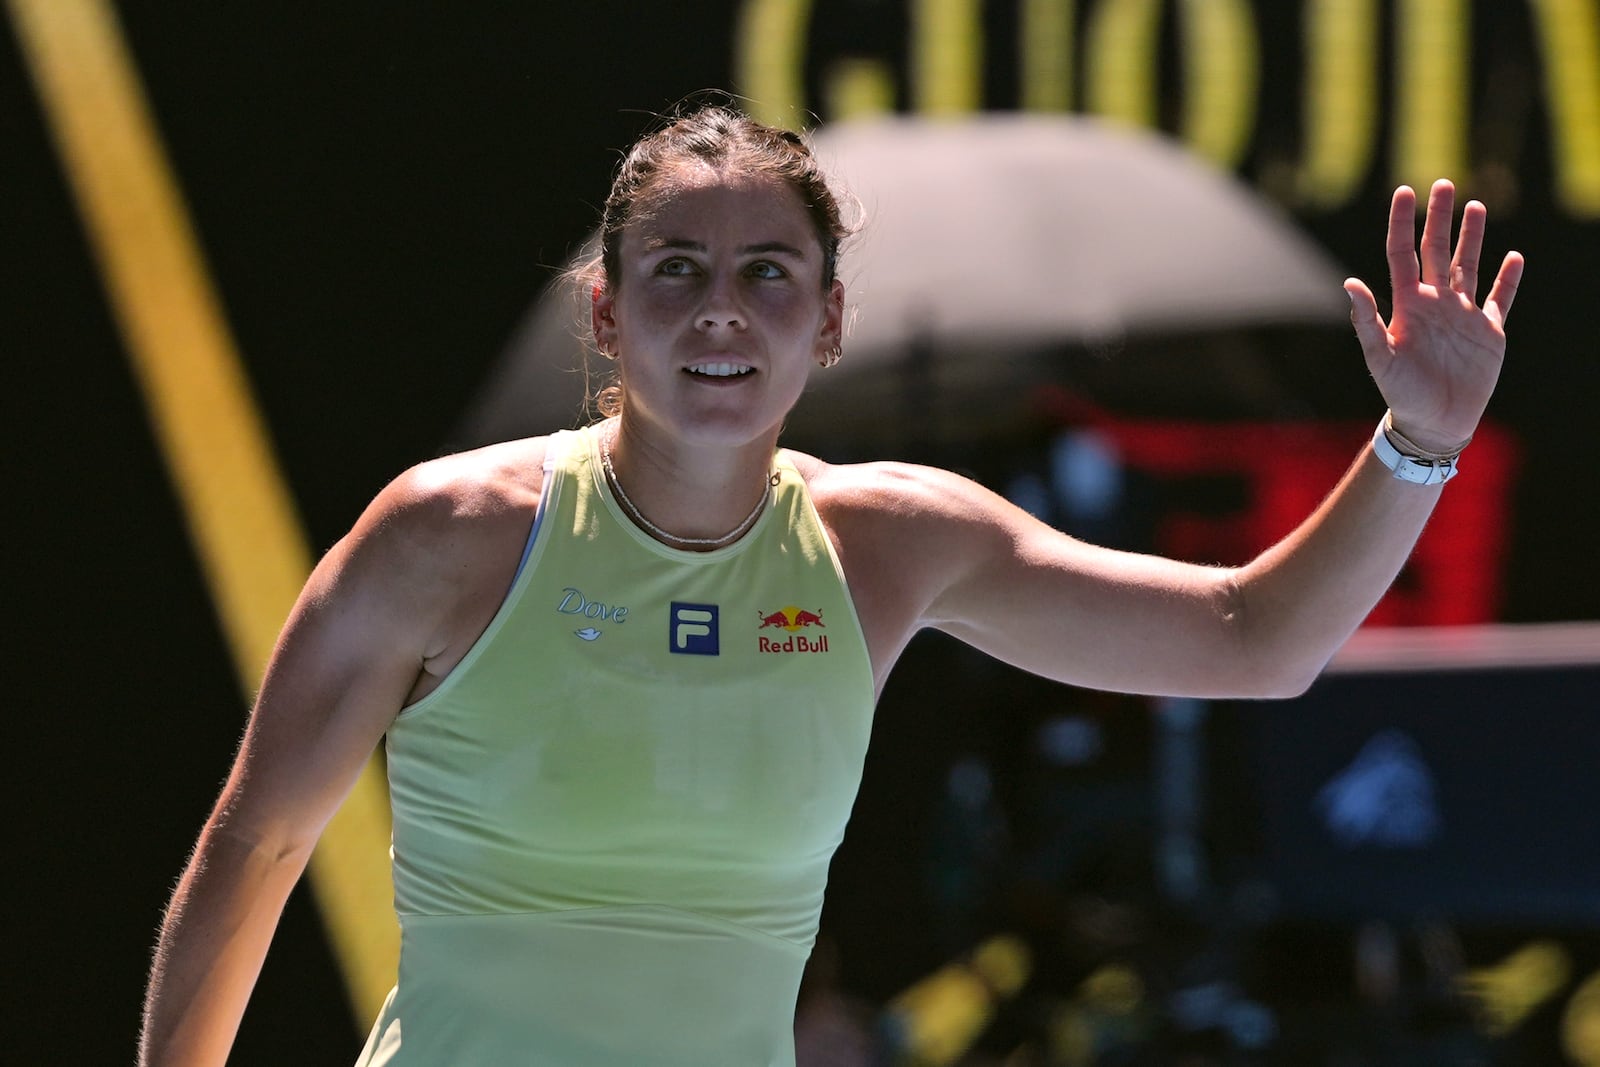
x=239, y=512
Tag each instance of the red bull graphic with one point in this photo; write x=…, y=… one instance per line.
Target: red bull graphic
x=792, y=620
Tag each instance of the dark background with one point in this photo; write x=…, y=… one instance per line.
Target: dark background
x=381, y=190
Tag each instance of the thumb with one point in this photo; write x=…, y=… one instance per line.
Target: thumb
x=1370, y=329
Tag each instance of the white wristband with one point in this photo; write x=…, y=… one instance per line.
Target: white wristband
x=1411, y=468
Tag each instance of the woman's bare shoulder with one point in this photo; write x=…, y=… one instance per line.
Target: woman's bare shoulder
x=903, y=532
x=448, y=516
x=439, y=545
x=883, y=492
x=915, y=521
x=924, y=525
x=482, y=483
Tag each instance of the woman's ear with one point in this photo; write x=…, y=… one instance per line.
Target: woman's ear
x=602, y=319
x=833, y=318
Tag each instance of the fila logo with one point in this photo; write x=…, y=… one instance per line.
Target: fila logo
x=692, y=629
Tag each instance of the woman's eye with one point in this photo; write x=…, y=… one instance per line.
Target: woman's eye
x=676, y=265
x=765, y=269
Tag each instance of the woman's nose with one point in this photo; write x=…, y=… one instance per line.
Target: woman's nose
x=722, y=307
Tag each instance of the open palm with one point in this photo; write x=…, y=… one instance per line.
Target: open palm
x=1438, y=357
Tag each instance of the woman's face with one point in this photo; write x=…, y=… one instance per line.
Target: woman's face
x=719, y=311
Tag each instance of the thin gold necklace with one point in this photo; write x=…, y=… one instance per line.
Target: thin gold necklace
x=638, y=516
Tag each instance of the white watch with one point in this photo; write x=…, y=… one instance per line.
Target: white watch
x=1411, y=468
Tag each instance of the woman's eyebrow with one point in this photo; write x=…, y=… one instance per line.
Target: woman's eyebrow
x=772, y=246
x=685, y=244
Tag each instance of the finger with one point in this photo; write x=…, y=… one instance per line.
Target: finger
x=1504, y=290
x=1370, y=330
x=1469, y=246
x=1401, y=247
x=1436, y=234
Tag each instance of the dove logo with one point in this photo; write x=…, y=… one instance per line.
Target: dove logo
x=573, y=602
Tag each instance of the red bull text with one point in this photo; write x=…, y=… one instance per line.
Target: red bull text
x=792, y=620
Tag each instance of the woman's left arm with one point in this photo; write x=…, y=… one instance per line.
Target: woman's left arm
x=1058, y=607
x=1436, y=362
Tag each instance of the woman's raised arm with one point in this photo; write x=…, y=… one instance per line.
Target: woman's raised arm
x=984, y=571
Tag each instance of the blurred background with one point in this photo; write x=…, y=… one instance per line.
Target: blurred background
x=1100, y=274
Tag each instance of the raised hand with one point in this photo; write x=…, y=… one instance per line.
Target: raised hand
x=1438, y=357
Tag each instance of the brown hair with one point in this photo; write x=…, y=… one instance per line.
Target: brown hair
x=724, y=138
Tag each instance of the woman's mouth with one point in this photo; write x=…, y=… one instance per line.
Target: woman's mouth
x=717, y=369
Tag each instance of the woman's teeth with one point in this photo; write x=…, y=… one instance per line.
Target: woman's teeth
x=720, y=370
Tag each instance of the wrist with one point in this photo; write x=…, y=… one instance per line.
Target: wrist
x=1420, y=445
x=1409, y=462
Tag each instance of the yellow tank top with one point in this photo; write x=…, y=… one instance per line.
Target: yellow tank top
x=613, y=820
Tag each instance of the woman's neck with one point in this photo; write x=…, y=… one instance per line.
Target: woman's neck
x=696, y=498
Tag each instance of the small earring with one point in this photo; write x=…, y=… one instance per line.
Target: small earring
x=605, y=352
x=831, y=357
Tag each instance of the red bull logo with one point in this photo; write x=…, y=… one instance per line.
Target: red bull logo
x=792, y=620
